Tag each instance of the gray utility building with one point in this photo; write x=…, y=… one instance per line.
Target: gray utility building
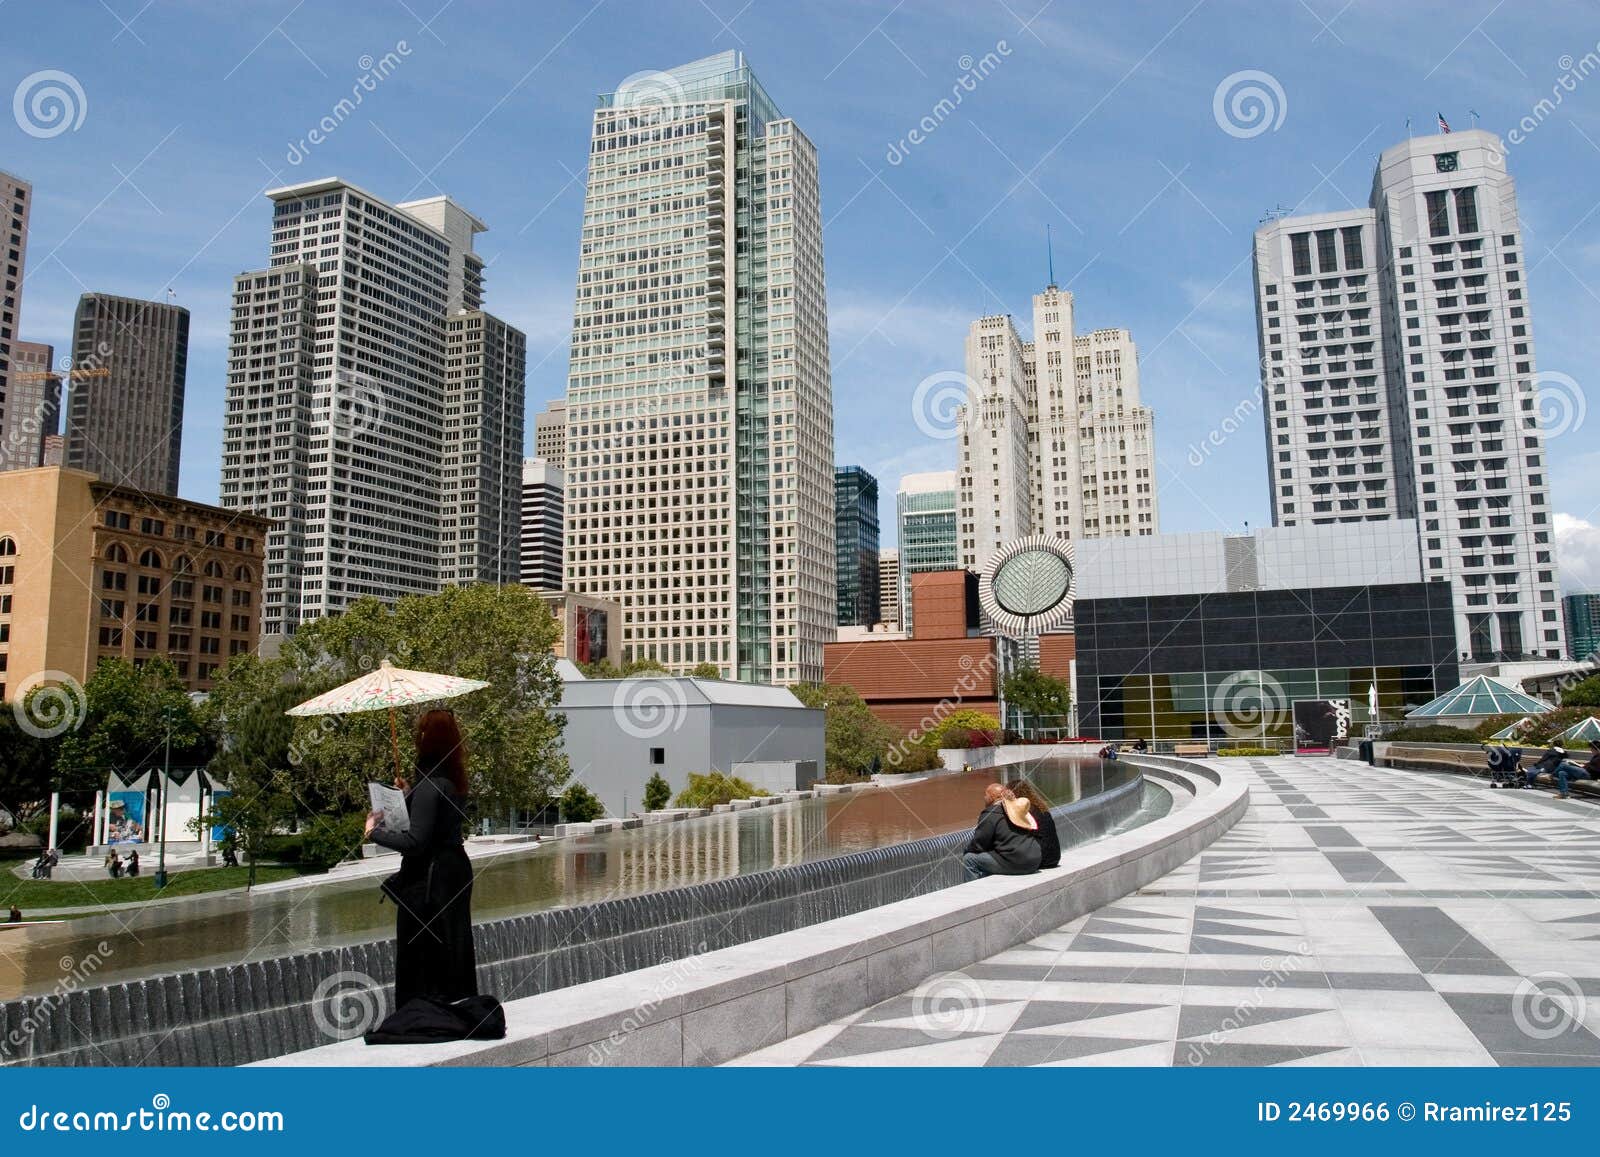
x=621, y=731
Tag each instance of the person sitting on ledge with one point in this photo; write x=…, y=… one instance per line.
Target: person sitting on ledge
x=1005, y=841
x=1563, y=770
x=16, y=915
x=1039, y=807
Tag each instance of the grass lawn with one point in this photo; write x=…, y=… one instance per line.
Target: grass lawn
x=40, y=894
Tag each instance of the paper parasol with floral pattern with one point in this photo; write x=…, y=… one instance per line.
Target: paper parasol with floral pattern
x=386, y=688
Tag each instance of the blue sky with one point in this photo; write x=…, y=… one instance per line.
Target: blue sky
x=1096, y=120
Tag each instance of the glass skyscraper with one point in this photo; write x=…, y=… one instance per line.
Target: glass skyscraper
x=699, y=403
x=855, y=520
x=925, y=523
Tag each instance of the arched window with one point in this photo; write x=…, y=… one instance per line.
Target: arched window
x=213, y=569
x=115, y=553
x=151, y=559
x=182, y=565
x=7, y=548
x=242, y=575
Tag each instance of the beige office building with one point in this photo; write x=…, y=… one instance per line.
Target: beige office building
x=91, y=570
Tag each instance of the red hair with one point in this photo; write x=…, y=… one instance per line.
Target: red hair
x=440, y=748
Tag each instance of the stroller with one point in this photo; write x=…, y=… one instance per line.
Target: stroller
x=1505, y=767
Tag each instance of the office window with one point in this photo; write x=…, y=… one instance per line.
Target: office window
x=1438, y=213
x=1466, y=210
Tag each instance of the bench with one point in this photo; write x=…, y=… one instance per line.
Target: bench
x=1197, y=749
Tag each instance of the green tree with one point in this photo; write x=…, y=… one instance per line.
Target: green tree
x=129, y=714
x=1038, y=696
x=855, y=736
x=600, y=669
x=647, y=665
x=713, y=788
x=579, y=805
x=705, y=671
x=1583, y=694
x=502, y=635
x=247, y=709
x=27, y=768
x=657, y=793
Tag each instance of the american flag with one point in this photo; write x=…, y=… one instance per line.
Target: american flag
x=1444, y=125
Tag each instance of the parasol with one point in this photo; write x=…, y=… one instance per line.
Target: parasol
x=387, y=687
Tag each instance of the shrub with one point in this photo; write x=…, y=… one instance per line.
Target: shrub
x=1432, y=733
x=713, y=788
x=657, y=793
x=905, y=758
x=959, y=728
x=579, y=805
x=328, y=840
x=1246, y=751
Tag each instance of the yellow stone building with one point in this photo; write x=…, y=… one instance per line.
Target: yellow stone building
x=91, y=570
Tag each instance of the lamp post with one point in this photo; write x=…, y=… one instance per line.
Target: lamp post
x=166, y=776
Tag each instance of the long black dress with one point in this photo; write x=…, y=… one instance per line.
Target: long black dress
x=434, y=953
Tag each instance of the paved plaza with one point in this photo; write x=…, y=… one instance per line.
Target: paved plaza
x=1354, y=916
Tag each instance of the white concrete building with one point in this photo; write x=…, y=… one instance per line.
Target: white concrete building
x=16, y=205
x=1408, y=387
x=699, y=452
x=889, y=587
x=337, y=401
x=1054, y=439
x=550, y=433
x=543, y=522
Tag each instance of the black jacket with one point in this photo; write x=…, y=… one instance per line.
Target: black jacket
x=1015, y=850
x=1049, y=839
x=436, y=815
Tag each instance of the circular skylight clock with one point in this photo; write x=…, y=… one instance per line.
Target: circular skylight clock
x=1026, y=587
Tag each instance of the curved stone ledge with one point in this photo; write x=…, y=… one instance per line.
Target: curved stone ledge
x=722, y=1004
x=237, y=1014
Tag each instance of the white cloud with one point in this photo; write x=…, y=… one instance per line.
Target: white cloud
x=1578, y=553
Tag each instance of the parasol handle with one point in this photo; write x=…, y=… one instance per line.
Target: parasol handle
x=394, y=743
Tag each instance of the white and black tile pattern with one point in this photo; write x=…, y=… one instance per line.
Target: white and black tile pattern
x=1354, y=916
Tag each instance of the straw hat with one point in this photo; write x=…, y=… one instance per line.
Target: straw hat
x=1020, y=813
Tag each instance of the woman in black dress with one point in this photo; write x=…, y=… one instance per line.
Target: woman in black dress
x=1049, y=838
x=434, y=954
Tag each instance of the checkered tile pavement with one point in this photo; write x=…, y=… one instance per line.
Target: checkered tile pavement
x=1354, y=916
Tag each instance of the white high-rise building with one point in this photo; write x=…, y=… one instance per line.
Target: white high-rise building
x=550, y=433
x=1054, y=439
x=699, y=451
x=16, y=206
x=889, y=587
x=543, y=519
x=339, y=405
x=1405, y=386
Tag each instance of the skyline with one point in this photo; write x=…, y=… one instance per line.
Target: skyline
x=1150, y=187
